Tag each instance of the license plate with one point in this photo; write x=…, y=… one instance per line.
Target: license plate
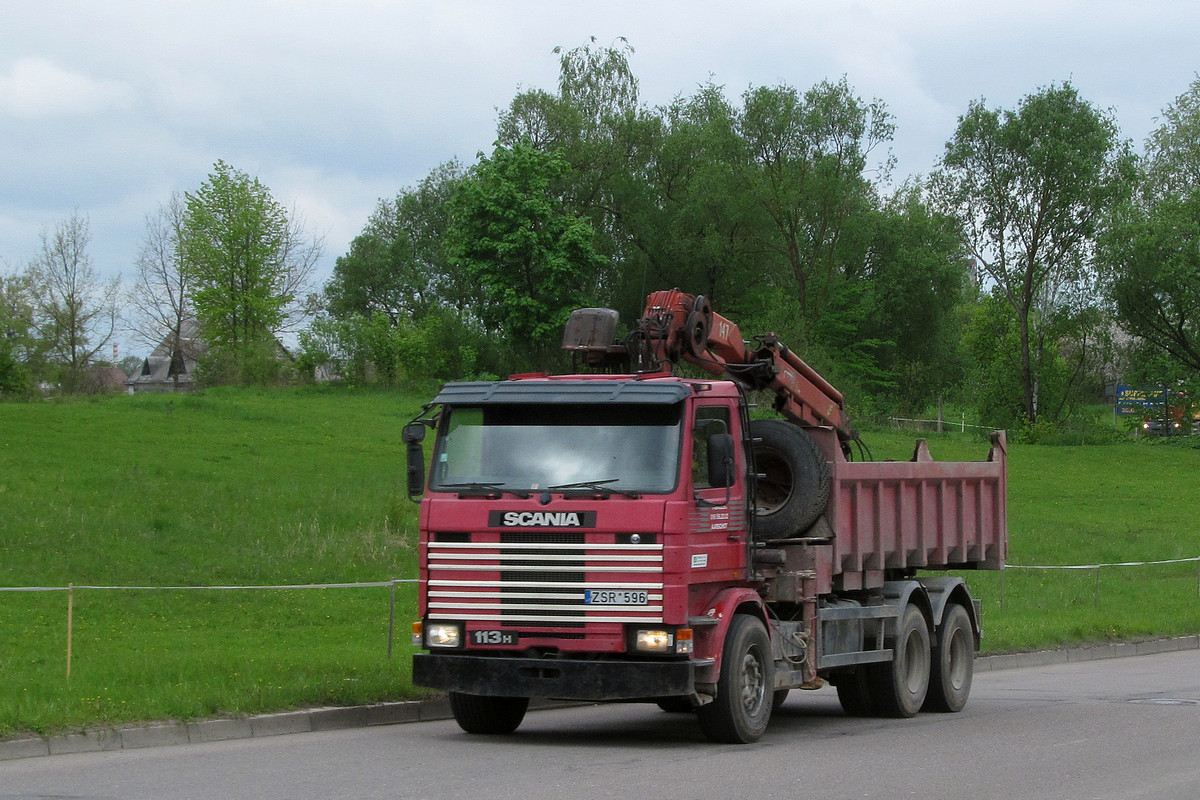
x=616, y=597
x=493, y=637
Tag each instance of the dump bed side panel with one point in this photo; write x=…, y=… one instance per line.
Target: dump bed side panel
x=918, y=514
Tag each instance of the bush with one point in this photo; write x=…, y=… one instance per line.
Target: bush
x=14, y=378
x=261, y=363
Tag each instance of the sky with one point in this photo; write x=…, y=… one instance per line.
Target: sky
x=108, y=108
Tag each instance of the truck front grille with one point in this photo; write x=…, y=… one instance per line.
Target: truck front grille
x=542, y=581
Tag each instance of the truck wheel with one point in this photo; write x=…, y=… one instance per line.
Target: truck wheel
x=476, y=713
x=794, y=488
x=854, y=693
x=953, y=662
x=899, y=688
x=745, y=688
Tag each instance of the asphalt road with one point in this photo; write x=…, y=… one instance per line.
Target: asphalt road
x=1118, y=728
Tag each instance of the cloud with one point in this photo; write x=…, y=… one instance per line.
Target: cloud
x=37, y=88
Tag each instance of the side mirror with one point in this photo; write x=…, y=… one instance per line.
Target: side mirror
x=412, y=435
x=721, y=473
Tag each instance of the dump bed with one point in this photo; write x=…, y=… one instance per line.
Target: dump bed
x=918, y=514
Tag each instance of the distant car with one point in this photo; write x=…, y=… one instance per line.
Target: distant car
x=1162, y=428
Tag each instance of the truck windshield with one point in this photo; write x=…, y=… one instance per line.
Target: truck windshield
x=621, y=447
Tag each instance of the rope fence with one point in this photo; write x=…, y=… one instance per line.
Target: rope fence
x=933, y=424
x=1097, y=568
x=70, y=589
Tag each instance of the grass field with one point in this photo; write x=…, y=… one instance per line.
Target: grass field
x=240, y=488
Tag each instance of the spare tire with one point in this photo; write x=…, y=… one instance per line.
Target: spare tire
x=794, y=488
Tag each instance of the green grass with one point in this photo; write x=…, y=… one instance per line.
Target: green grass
x=234, y=488
x=220, y=489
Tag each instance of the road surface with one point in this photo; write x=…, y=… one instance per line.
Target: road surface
x=1118, y=728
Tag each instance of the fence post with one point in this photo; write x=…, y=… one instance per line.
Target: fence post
x=392, y=620
x=70, y=623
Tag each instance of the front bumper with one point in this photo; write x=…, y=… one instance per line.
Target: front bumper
x=563, y=679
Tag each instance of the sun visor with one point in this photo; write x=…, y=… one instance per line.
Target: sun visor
x=607, y=391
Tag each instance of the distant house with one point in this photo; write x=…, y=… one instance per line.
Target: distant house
x=162, y=373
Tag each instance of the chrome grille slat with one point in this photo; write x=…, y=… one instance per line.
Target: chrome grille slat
x=516, y=596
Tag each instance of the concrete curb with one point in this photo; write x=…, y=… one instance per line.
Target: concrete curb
x=1096, y=652
x=216, y=730
x=343, y=717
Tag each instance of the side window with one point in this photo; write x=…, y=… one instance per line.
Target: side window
x=707, y=421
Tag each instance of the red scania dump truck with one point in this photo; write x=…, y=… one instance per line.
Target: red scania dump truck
x=630, y=535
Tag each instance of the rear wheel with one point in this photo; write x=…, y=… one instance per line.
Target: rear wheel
x=745, y=688
x=476, y=713
x=898, y=688
x=854, y=693
x=953, y=662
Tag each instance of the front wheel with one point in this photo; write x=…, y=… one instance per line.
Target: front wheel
x=476, y=713
x=953, y=662
x=745, y=688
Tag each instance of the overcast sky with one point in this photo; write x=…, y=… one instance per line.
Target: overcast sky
x=106, y=108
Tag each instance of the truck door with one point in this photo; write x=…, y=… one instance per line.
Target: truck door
x=719, y=525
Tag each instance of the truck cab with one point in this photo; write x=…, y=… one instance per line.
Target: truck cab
x=574, y=532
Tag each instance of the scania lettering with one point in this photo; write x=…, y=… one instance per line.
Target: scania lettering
x=626, y=534
x=535, y=519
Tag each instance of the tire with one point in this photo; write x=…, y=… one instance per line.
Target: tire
x=899, y=688
x=953, y=663
x=780, y=697
x=745, y=689
x=854, y=693
x=794, y=489
x=477, y=713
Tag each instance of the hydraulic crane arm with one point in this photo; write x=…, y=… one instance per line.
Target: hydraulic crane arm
x=677, y=327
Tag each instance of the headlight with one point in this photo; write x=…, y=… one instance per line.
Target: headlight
x=654, y=641
x=443, y=634
x=663, y=640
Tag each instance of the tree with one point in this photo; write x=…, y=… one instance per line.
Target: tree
x=398, y=265
x=248, y=261
x=1153, y=255
x=1172, y=160
x=19, y=352
x=1151, y=248
x=533, y=261
x=894, y=320
x=595, y=124
x=1029, y=188
x=685, y=206
x=75, y=312
x=161, y=293
x=809, y=155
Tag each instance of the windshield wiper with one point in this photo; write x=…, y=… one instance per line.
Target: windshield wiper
x=596, y=486
x=488, y=486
